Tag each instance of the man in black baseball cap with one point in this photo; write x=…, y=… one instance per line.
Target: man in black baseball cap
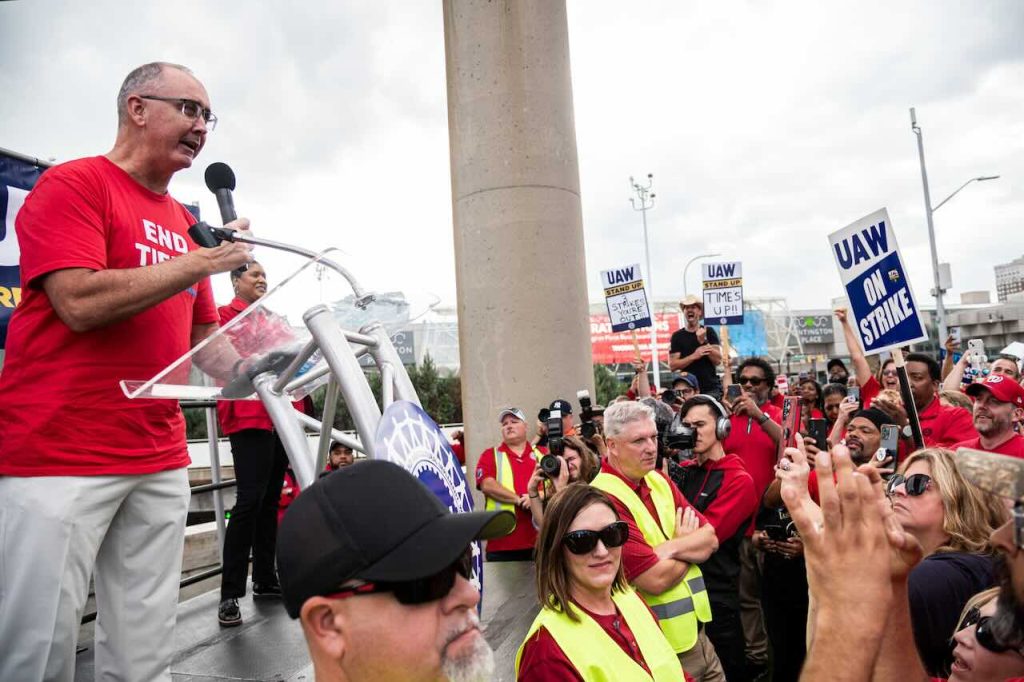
x=377, y=570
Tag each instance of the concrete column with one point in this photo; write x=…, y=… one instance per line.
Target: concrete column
x=524, y=332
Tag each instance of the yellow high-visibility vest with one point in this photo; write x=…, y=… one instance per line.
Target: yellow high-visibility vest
x=683, y=605
x=505, y=478
x=598, y=658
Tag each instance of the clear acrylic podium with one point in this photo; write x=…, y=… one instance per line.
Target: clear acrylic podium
x=309, y=330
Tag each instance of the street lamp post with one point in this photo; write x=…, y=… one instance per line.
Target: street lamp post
x=687, y=267
x=643, y=202
x=940, y=308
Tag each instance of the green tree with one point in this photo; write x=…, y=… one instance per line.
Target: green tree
x=606, y=385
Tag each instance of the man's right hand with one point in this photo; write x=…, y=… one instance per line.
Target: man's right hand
x=229, y=255
x=686, y=521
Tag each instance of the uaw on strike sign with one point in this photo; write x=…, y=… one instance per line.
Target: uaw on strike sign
x=723, y=293
x=625, y=297
x=876, y=283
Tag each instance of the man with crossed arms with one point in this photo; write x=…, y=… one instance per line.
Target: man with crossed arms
x=667, y=537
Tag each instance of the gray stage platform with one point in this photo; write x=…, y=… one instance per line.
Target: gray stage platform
x=269, y=646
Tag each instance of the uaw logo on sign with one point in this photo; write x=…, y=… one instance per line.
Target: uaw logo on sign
x=408, y=437
x=872, y=271
x=626, y=299
x=723, y=293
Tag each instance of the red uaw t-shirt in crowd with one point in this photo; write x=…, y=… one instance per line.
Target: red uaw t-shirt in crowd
x=944, y=425
x=1012, y=446
x=756, y=448
x=62, y=411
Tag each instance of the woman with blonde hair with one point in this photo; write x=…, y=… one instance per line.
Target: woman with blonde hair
x=592, y=625
x=952, y=520
x=979, y=656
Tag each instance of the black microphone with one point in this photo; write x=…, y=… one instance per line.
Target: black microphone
x=220, y=180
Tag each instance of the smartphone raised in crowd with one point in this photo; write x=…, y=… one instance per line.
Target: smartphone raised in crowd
x=890, y=444
x=734, y=391
x=817, y=430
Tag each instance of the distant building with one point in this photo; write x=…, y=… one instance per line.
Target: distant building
x=1009, y=278
x=975, y=298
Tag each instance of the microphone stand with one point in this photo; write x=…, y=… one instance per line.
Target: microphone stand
x=209, y=236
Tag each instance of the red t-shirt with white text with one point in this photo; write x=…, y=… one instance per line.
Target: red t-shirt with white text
x=62, y=411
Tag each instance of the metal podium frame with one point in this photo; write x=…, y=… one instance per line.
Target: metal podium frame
x=340, y=350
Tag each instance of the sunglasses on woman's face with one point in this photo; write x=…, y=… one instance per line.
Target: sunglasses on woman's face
x=983, y=632
x=914, y=485
x=584, y=541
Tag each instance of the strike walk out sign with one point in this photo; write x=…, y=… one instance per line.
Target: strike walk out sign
x=876, y=283
x=723, y=293
x=626, y=299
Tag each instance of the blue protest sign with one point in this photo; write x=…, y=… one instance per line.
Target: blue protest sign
x=17, y=176
x=407, y=436
x=626, y=299
x=872, y=271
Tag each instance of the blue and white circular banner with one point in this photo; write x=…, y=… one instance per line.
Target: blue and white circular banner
x=408, y=437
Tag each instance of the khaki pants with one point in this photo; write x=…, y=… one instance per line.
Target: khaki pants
x=750, y=603
x=701, y=662
x=53, y=531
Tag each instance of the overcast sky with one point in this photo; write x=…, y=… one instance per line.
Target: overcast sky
x=766, y=125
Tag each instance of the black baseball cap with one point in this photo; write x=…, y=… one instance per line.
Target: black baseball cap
x=372, y=521
x=562, y=405
x=836, y=362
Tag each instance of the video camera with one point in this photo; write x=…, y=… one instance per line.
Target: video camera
x=588, y=427
x=550, y=465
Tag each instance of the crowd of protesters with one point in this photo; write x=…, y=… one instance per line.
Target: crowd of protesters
x=690, y=506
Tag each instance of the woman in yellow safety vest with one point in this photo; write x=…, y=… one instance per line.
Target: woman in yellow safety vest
x=593, y=627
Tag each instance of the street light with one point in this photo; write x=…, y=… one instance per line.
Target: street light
x=687, y=267
x=643, y=202
x=940, y=308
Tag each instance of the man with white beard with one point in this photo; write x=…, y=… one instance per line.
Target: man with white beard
x=377, y=570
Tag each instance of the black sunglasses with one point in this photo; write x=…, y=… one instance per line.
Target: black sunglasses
x=753, y=381
x=584, y=541
x=983, y=632
x=915, y=484
x=419, y=591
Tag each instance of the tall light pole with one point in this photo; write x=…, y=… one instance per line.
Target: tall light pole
x=940, y=308
x=687, y=267
x=643, y=202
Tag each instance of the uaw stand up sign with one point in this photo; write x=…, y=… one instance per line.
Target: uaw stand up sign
x=876, y=283
x=407, y=436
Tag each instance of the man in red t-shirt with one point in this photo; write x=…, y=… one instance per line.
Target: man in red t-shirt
x=113, y=289
x=754, y=437
x=998, y=403
x=514, y=458
x=941, y=425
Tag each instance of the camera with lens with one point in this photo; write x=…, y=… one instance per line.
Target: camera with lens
x=679, y=436
x=588, y=427
x=777, y=524
x=550, y=465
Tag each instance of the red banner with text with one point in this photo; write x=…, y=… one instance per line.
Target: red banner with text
x=609, y=348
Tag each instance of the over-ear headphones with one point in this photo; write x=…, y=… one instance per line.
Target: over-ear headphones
x=722, y=424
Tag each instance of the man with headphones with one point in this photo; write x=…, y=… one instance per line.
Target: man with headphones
x=718, y=485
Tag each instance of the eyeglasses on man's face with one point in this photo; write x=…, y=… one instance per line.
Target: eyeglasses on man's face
x=189, y=108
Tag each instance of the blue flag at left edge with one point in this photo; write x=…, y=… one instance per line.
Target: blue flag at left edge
x=17, y=176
